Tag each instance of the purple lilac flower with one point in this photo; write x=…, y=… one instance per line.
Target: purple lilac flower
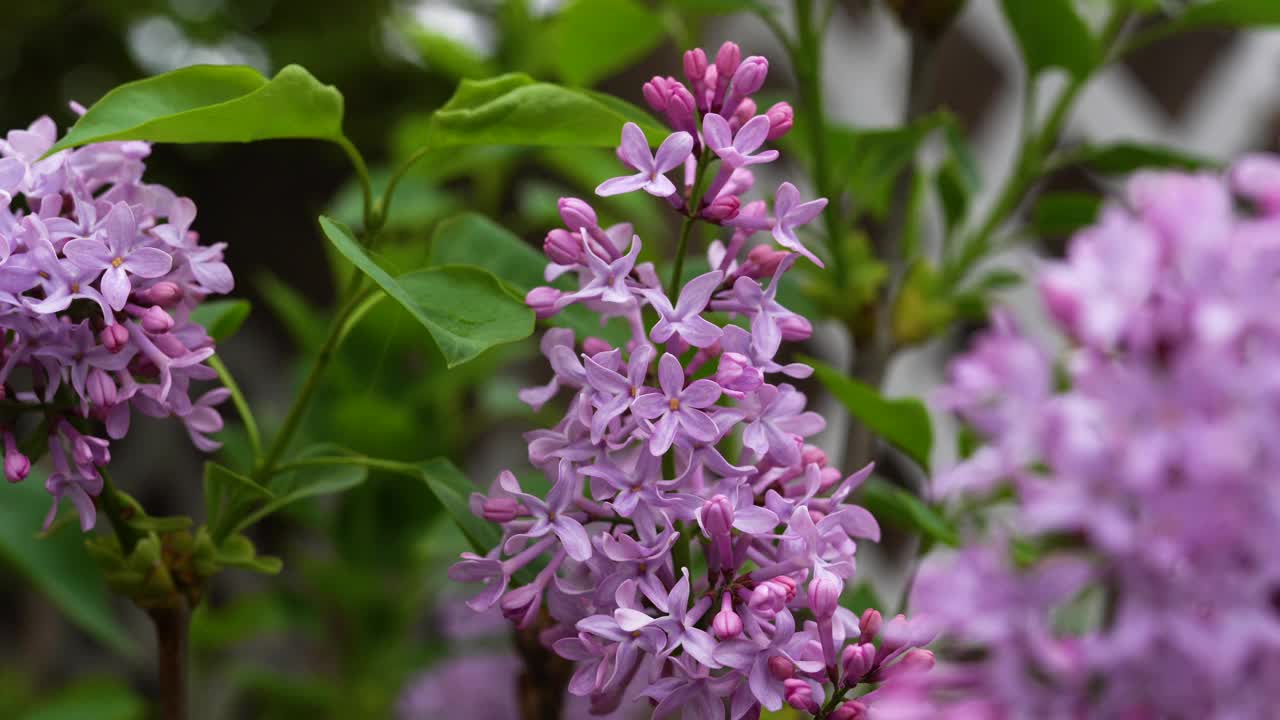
x=99, y=273
x=683, y=441
x=1133, y=571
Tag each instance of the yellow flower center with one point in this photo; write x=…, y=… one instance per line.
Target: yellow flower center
x=674, y=403
x=117, y=262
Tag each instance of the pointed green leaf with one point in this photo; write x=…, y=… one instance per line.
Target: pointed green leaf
x=473, y=239
x=516, y=110
x=895, y=506
x=466, y=309
x=1126, y=157
x=902, y=422
x=1230, y=13
x=1062, y=213
x=596, y=38
x=1052, y=34
x=221, y=318
x=453, y=489
x=213, y=103
x=302, y=483
x=58, y=564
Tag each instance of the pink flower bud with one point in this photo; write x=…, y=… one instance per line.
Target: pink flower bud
x=114, y=337
x=824, y=595
x=156, y=320
x=680, y=110
x=765, y=260
x=656, y=93
x=795, y=328
x=717, y=516
x=895, y=634
x=788, y=586
x=594, y=345
x=799, y=695
x=163, y=293
x=813, y=455
x=16, y=465
x=726, y=624
x=827, y=478
x=869, y=624
x=852, y=710
x=746, y=110
x=856, y=661
x=728, y=58
x=914, y=661
x=749, y=76
x=577, y=214
x=695, y=67
x=722, y=208
x=781, y=668
x=500, y=509
x=101, y=388
x=543, y=301
x=767, y=600
x=737, y=375
x=781, y=118
x=563, y=247
x=170, y=345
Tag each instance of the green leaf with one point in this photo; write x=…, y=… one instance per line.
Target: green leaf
x=1126, y=157
x=221, y=318
x=1229, y=13
x=105, y=699
x=238, y=551
x=596, y=38
x=1052, y=34
x=897, y=507
x=720, y=7
x=473, y=239
x=452, y=488
x=228, y=494
x=213, y=103
x=444, y=54
x=466, y=309
x=1062, y=213
x=302, y=483
x=903, y=422
x=58, y=564
x=516, y=110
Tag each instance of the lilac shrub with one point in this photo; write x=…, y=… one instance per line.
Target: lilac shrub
x=693, y=546
x=99, y=274
x=1143, y=472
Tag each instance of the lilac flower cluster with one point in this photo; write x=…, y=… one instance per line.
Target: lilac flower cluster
x=669, y=572
x=1136, y=574
x=99, y=273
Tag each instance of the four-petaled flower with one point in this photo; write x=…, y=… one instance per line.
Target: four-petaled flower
x=678, y=407
x=789, y=213
x=735, y=150
x=650, y=169
x=118, y=256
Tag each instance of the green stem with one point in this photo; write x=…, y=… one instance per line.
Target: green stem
x=1027, y=165
x=691, y=214
x=806, y=58
x=366, y=187
x=673, y=287
x=241, y=404
x=300, y=402
x=115, y=511
x=837, y=697
x=400, y=468
x=384, y=205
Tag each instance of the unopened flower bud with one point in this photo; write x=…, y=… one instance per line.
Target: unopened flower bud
x=500, y=509
x=722, y=208
x=717, y=516
x=737, y=375
x=856, y=661
x=563, y=247
x=827, y=478
x=163, y=293
x=746, y=110
x=594, y=345
x=764, y=260
x=824, y=595
x=767, y=600
x=795, y=328
x=728, y=57
x=680, y=110
x=16, y=465
x=577, y=214
x=781, y=668
x=914, y=661
x=521, y=605
x=656, y=93
x=695, y=66
x=170, y=345
x=101, y=388
x=799, y=695
x=813, y=455
x=781, y=118
x=749, y=76
x=869, y=624
x=787, y=585
x=156, y=320
x=114, y=337
x=543, y=301
x=726, y=624
x=852, y=710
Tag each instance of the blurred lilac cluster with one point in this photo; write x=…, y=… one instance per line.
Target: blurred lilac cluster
x=669, y=571
x=99, y=273
x=1136, y=574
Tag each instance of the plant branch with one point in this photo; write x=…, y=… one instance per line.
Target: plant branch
x=366, y=187
x=115, y=511
x=691, y=214
x=172, y=625
x=241, y=404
